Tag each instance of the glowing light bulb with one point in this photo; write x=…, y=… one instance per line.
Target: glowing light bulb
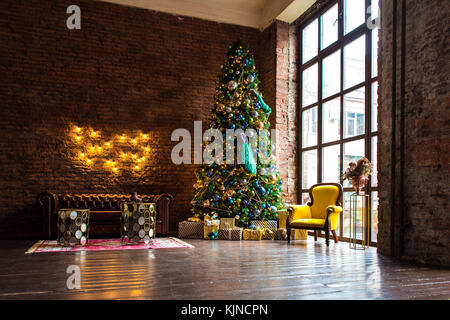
x=124, y=154
x=145, y=136
x=147, y=149
x=92, y=148
x=134, y=140
x=114, y=169
x=137, y=167
x=89, y=160
x=82, y=154
x=109, y=161
x=143, y=158
x=94, y=133
x=99, y=148
x=108, y=144
x=134, y=155
x=122, y=137
x=78, y=137
x=139, y=160
x=78, y=129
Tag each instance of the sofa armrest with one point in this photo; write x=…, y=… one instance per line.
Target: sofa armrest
x=163, y=202
x=49, y=203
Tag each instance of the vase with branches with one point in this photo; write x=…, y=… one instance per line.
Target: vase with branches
x=358, y=173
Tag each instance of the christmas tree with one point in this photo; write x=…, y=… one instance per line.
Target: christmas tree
x=245, y=186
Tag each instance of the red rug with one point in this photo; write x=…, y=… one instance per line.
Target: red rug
x=108, y=244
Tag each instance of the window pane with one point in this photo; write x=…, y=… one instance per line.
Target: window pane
x=353, y=151
x=374, y=9
x=310, y=41
x=374, y=53
x=329, y=27
x=374, y=161
x=305, y=198
x=374, y=106
x=354, y=14
x=331, y=71
x=309, y=127
x=346, y=214
x=354, y=110
x=331, y=124
x=309, y=165
x=354, y=62
x=374, y=208
x=309, y=85
x=330, y=164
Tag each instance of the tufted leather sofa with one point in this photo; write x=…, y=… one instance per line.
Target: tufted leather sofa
x=104, y=211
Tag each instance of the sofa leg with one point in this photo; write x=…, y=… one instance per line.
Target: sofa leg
x=288, y=236
x=327, y=237
x=315, y=235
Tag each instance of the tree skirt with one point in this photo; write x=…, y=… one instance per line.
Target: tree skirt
x=107, y=244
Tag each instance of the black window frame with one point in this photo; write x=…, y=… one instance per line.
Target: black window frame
x=339, y=44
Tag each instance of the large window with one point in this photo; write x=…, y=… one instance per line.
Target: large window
x=338, y=57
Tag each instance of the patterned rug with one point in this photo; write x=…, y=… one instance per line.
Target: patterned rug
x=108, y=244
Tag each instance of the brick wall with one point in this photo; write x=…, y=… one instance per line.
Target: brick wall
x=414, y=122
x=127, y=69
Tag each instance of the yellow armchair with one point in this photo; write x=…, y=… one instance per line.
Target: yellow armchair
x=321, y=213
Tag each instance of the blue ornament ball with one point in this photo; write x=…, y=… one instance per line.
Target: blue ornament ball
x=216, y=197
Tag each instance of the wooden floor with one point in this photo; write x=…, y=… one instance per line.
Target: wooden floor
x=220, y=270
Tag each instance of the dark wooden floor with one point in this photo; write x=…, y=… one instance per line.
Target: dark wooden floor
x=220, y=270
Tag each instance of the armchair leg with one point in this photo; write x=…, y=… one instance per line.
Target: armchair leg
x=288, y=232
x=315, y=235
x=327, y=237
x=334, y=236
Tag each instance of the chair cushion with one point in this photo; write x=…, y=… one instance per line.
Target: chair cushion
x=313, y=223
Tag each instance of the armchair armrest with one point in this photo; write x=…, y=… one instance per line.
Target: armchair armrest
x=333, y=216
x=298, y=212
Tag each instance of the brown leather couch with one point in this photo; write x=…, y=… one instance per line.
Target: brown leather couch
x=104, y=211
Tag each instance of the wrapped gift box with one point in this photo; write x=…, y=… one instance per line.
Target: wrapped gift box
x=250, y=234
x=190, y=229
x=227, y=223
x=230, y=234
x=269, y=228
x=211, y=228
x=281, y=234
x=269, y=224
x=299, y=234
x=210, y=232
x=282, y=217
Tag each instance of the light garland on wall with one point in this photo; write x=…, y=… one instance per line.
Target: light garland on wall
x=116, y=154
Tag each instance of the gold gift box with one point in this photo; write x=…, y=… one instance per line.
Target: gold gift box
x=282, y=217
x=299, y=234
x=227, y=223
x=211, y=232
x=250, y=234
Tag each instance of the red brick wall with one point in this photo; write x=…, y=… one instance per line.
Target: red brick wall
x=414, y=149
x=127, y=69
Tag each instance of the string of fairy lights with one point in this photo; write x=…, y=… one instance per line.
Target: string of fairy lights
x=118, y=153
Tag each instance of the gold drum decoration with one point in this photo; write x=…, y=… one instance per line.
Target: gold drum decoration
x=137, y=222
x=73, y=227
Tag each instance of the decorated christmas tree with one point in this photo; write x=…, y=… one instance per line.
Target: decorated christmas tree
x=246, y=185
